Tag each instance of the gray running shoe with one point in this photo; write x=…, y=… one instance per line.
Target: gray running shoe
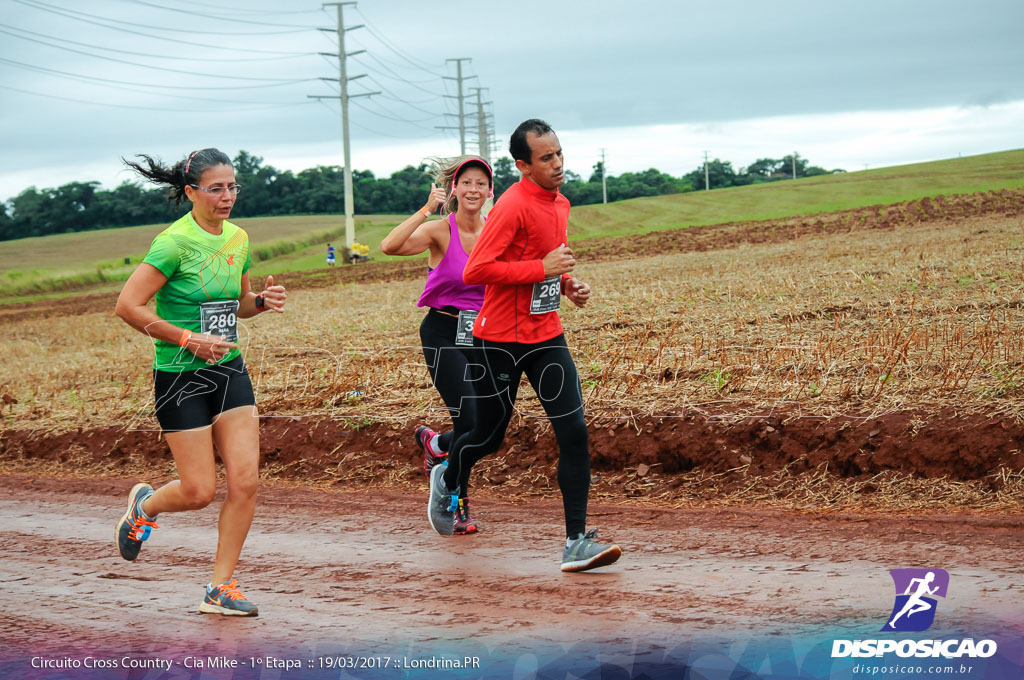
x=443, y=502
x=228, y=600
x=584, y=553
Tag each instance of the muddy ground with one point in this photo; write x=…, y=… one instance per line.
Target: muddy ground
x=341, y=558
x=359, y=568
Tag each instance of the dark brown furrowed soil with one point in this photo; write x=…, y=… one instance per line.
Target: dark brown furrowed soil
x=656, y=451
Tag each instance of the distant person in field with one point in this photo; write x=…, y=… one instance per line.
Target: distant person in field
x=330, y=255
x=462, y=187
x=360, y=253
x=523, y=259
x=198, y=271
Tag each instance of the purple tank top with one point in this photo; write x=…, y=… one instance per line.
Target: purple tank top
x=445, y=287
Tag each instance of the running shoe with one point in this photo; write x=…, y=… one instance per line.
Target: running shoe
x=228, y=600
x=583, y=553
x=463, y=523
x=443, y=503
x=423, y=436
x=135, y=526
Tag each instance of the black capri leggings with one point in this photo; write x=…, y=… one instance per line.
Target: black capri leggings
x=552, y=373
x=452, y=373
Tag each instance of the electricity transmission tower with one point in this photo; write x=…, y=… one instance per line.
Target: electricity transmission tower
x=343, y=80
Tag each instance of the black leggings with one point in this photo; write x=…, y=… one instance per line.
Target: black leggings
x=552, y=374
x=452, y=374
x=193, y=399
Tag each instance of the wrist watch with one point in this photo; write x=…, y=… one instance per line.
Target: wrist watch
x=260, y=302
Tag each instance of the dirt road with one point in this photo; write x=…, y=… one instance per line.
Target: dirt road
x=360, y=570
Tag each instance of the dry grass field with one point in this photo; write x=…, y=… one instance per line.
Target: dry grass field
x=863, y=349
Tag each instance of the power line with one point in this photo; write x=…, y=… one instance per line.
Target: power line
x=131, y=63
x=232, y=106
x=176, y=41
x=260, y=12
x=402, y=79
x=384, y=41
x=194, y=13
x=94, y=19
x=405, y=102
x=394, y=118
x=385, y=92
x=176, y=58
x=77, y=76
x=433, y=75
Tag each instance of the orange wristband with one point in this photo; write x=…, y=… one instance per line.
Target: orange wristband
x=186, y=335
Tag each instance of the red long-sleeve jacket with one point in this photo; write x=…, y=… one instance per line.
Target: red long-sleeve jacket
x=525, y=224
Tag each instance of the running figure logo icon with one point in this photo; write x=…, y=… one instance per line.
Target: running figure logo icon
x=914, y=609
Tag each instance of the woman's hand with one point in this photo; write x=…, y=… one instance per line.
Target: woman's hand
x=436, y=199
x=274, y=296
x=209, y=348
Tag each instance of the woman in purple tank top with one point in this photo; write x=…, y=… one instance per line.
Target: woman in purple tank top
x=462, y=187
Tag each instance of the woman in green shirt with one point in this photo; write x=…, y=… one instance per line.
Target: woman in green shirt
x=198, y=271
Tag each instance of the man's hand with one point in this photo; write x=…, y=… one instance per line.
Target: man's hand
x=577, y=291
x=559, y=261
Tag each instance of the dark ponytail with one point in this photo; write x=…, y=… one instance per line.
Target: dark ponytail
x=181, y=174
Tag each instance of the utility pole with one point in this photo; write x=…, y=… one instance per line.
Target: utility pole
x=707, y=183
x=481, y=125
x=794, y=165
x=462, y=113
x=343, y=79
x=604, y=180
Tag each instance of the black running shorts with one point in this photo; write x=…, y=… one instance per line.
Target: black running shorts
x=191, y=399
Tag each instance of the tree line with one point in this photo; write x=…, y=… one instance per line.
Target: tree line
x=84, y=206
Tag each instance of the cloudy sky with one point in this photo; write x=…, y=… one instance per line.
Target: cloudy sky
x=656, y=84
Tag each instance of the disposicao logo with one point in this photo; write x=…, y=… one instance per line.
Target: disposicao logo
x=914, y=611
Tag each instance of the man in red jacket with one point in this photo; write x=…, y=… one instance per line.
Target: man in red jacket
x=523, y=258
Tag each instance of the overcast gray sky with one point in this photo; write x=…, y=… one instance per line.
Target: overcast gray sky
x=845, y=84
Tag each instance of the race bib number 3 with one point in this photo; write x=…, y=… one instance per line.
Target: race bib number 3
x=547, y=295
x=220, y=318
x=464, y=334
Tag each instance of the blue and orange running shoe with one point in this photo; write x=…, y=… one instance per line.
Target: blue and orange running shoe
x=228, y=600
x=135, y=526
x=463, y=522
x=424, y=435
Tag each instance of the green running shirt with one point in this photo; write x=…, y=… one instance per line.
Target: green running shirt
x=199, y=267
